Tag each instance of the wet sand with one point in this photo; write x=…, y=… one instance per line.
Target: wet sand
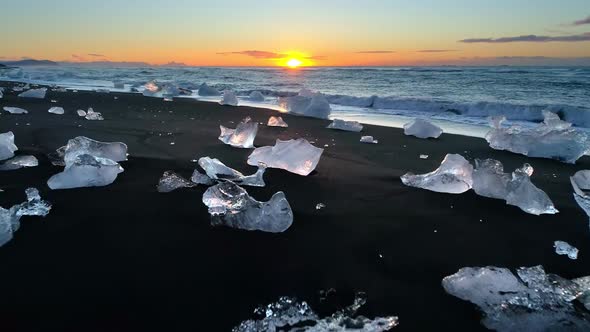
x=127, y=258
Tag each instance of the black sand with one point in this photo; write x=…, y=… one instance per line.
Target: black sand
x=127, y=258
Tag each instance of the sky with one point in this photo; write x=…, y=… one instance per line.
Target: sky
x=319, y=32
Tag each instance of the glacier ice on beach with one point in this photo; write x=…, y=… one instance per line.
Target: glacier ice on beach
x=287, y=313
x=7, y=146
x=200, y=178
x=564, y=248
x=19, y=162
x=56, y=110
x=216, y=170
x=454, y=176
x=171, y=181
x=422, y=129
x=86, y=171
x=230, y=205
x=489, y=179
x=531, y=300
x=296, y=156
x=81, y=113
x=15, y=110
x=345, y=125
x=116, y=151
x=10, y=218
x=34, y=93
x=307, y=104
x=580, y=182
x=276, y=121
x=241, y=137
x=256, y=96
x=229, y=98
x=92, y=115
x=208, y=91
x=554, y=139
x=368, y=139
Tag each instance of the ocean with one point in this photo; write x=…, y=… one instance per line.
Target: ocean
x=458, y=98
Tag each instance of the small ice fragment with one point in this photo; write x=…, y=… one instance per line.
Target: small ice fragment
x=216, y=170
x=345, y=125
x=81, y=113
x=564, y=248
x=56, y=110
x=86, y=171
x=369, y=139
x=53, y=101
x=422, y=129
x=307, y=104
x=241, y=137
x=171, y=181
x=320, y=206
x=200, y=178
x=230, y=205
x=423, y=156
x=256, y=96
x=454, y=176
x=296, y=156
x=276, y=121
x=15, y=110
x=34, y=93
x=7, y=146
x=19, y=162
x=92, y=115
x=207, y=91
x=10, y=218
x=229, y=98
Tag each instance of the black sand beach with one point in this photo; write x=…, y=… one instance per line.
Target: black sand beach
x=127, y=258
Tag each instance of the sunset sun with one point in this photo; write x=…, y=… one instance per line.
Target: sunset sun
x=294, y=63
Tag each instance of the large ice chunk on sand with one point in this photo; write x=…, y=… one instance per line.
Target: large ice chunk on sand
x=345, y=125
x=296, y=156
x=308, y=104
x=489, y=179
x=564, y=248
x=216, y=170
x=19, y=162
x=56, y=110
x=230, y=205
x=10, y=218
x=7, y=146
x=581, y=183
x=422, y=129
x=256, y=96
x=34, y=93
x=533, y=301
x=207, y=91
x=15, y=110
x=229, y=98
x=86, y=171
x=554, y=139
x=116, y=151
x=171, y=181
x=276, y=121
x=287, y=313
x=454, y=176
x=241, y=137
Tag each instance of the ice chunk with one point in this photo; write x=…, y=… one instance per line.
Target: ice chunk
x=116, y=151
x=553, y=139
x=86, y=171
x=15, y=110
x=369, y=139
x=290, y=315
x=454, y=176
x=564, y=248
x=580, y=182
x=524, y=194
x=534, y=301
x=256, y=96
x=1, y=93
x=7, y=146
x=229, y=98
x=171, y=181
x=200, y=178
x=81, y=113
x=207, y=91
x=241, y=137
x=313, y=105
x=19, y=162
x=34, y=93
x=216, y=170
x=92, y=115
x=276, y=121
x=230, y=205
x=56, y=110
x=296, y=156
x=10, y=218
x=584, y=283
x=489, y=179
x=345, y=125
x=422, y=129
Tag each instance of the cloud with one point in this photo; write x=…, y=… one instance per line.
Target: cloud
x=375, y=52
x=96, y=55
x=435, y=51
x=316, y=57
x=582, y=21
x=256, y=54
x=78, y=57
x=531, y=38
